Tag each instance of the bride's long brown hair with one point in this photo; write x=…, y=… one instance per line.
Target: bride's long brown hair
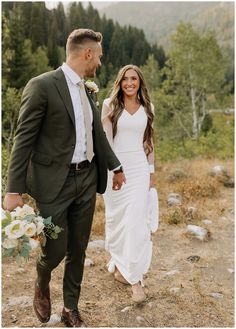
x=117, y=104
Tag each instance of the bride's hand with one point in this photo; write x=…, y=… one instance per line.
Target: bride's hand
x=152, y=181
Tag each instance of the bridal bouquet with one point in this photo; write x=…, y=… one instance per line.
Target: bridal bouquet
x=24, y=230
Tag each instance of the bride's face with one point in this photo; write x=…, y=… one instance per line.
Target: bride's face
x=130, y=83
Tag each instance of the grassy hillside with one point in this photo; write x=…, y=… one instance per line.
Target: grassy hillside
x=220, y=18
x=159, y=19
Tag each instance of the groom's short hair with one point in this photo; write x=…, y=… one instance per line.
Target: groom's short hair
x=78, y=38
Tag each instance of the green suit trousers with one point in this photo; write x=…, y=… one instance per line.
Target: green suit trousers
x=73, y=211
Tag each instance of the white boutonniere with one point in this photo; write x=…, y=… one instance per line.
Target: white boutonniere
x=93, y=89
x=91, y=85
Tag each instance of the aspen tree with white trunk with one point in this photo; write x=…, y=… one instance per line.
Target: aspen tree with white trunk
x=194, y=70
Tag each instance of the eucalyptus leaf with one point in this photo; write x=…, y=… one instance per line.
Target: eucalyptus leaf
x=54, y=235
x=57, y=229
x=29, y=218
x=25, y=239
x=47, y=221
x=8, y=252
x=24, y=253
x=27, y=246
x=19, y=259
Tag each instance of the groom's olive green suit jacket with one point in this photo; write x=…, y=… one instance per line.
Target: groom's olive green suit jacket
x=45, y=140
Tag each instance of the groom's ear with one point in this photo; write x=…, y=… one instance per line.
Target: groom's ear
x=88, y=53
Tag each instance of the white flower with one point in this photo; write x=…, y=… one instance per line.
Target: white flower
x=30, y=229
x=16, y=229
x=10, y=243
x=40, y=225
x=39, y=219
x=3, y=214
x=33, y=243
x=22, y=212
x=92, y=86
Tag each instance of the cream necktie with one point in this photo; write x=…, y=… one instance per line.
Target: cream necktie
x=87, y=122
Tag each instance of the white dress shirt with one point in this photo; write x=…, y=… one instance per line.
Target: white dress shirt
x=72, y=79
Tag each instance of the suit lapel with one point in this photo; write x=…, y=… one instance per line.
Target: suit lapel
x=89, y=98
x=62, y=87
x=94, y=109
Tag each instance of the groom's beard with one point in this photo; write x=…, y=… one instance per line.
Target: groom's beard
x=91, y=72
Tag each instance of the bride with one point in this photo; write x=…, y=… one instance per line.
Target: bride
x=127, y=118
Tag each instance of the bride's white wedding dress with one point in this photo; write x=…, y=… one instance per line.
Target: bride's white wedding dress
x=128, y=237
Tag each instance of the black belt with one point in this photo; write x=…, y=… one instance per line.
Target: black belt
x=79, y=166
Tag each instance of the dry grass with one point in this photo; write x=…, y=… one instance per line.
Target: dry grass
x=98, y=227
x=181, y=214
x=198, y=190
x=195, y=188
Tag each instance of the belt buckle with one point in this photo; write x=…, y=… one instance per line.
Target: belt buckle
x=77, y=168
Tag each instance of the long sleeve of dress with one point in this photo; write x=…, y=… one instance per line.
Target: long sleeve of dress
x=106, y=122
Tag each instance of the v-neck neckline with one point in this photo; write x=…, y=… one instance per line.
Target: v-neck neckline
x=134, y=112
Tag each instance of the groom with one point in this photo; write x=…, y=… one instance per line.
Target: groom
x=60, y=157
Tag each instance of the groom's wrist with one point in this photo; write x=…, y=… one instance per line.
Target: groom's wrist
x=118, y=170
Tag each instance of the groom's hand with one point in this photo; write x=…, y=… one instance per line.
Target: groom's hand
x=12, y=200
x=118, y=180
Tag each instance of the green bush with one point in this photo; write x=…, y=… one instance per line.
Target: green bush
x=219, y=142
x=5, y=162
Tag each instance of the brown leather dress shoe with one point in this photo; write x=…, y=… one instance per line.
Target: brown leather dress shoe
x=42, y=303
x=72, y=319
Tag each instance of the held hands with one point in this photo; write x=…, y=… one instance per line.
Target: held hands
x=11, y=201
x=118, y=180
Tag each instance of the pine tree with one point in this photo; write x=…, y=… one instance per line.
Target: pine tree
x=159, y=54
x=62, y=25
x=151, y=73
x=53, y=51
x=93, y=18
x=39, y=26
x=19, y=61
x=77, y=16
x=7, y=52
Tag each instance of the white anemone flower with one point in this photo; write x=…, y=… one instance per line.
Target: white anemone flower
x=33, y=243
x=30, y=229
x=39, y=219
x=40, y=226
x=16, y=229
x=10, y=243
x=23, y=211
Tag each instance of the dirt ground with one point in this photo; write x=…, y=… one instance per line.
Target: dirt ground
x=180, y=293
